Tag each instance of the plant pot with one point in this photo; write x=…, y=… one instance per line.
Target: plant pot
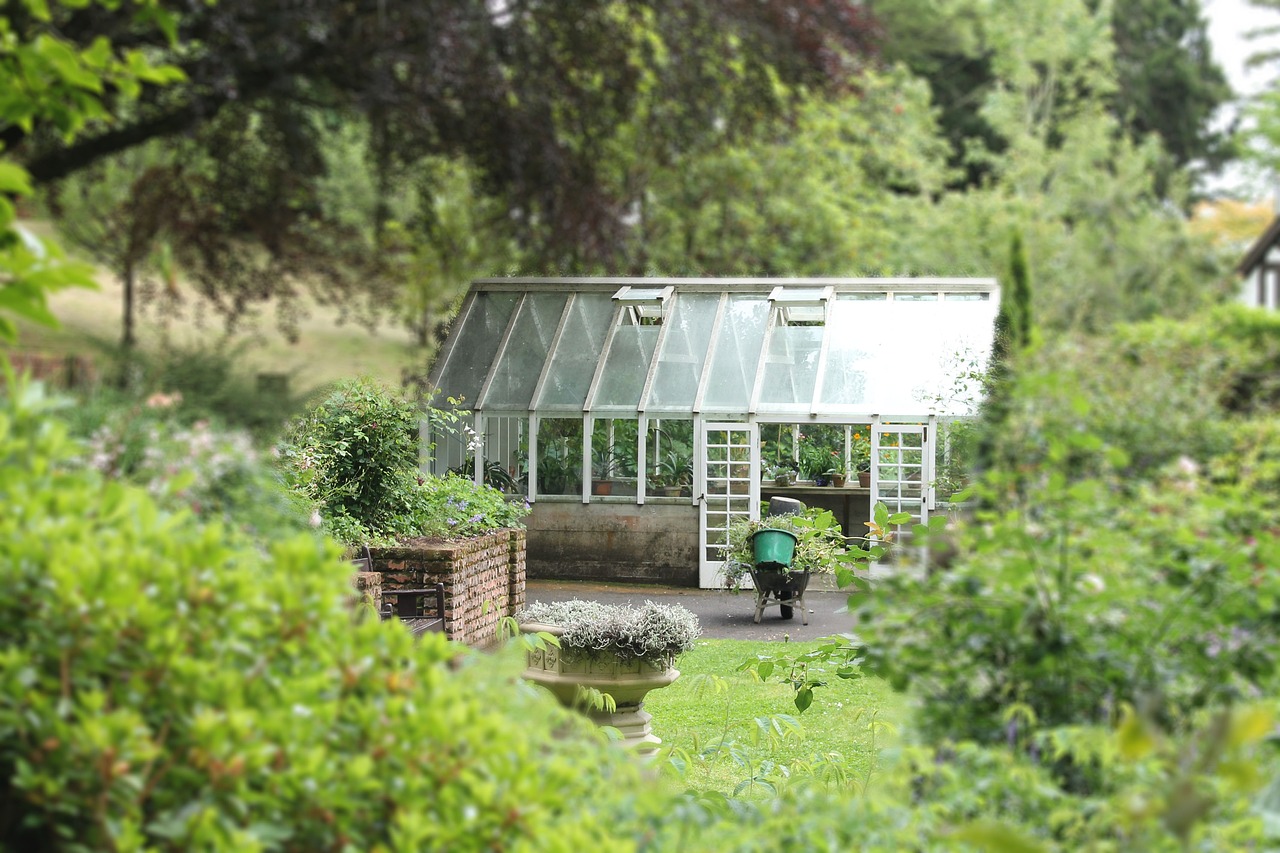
x=671, y=491
x=626, y=681
x=819, y=480
x=601, y=487
x=773, y=549
x=838, y=480
x=864, y=479
x=782, y=480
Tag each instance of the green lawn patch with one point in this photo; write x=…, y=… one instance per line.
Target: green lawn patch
x=737, y=729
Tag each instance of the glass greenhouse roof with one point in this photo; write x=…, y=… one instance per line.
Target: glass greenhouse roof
x=619, y=347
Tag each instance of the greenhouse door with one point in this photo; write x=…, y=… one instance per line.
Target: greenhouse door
x=730, y=475
x=902, y=471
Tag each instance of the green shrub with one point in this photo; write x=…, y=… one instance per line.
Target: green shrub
x=214, y=473
x=356, y=455
x=355, y=458
x=166, y=685
x=212, y=382
x=450, y=507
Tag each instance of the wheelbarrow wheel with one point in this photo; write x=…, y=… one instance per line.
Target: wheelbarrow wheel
x=785, y=609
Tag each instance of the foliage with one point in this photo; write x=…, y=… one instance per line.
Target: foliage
x=354, y=453
x=860, y=450
x=1121, y=556
x=559, y=99
x=675, y=468
x=210, y=472
x=355, y=458
x=453, y=507
x=654, y=633
x=167, y=685
x=66, y=88
x=819, y=543
x=560, y=456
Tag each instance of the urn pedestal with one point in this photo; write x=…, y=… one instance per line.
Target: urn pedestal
x=626, y=681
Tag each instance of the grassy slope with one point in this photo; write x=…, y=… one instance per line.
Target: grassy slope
x=691, y=714
x=326, y=351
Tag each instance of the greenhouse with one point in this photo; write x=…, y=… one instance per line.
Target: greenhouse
x=641, y=417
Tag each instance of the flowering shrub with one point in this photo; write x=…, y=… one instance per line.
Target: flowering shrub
x=214, y=472
x=452, y=506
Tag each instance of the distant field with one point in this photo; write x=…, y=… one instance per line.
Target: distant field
x=325, y=352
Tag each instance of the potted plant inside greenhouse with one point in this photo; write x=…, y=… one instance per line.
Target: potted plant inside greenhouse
x=780, y=553
x=613, y=654
x=860, y=457
x=603, y=463
x=781, y=475
x=837, y=472
x=675, y=473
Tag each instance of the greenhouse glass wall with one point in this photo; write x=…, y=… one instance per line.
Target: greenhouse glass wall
x=642, y=417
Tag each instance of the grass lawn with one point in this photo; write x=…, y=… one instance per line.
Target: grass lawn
x=853, y=717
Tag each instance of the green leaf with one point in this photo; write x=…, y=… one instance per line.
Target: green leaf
x=14, y=179
x=804, y=698
x=989, y=835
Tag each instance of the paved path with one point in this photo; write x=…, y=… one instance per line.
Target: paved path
x=723, y=614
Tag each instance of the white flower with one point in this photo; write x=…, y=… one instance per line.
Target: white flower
x=315, y=518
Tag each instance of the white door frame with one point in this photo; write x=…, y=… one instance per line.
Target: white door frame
x=728, y=488
x=902, y=472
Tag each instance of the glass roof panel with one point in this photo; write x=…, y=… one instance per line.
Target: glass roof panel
x=626, y=366
x=903, y=357
x=520, y=363
x=475, y=345
x=574, y=361
x=791, y=368
x=737, y=354
x=684, y=352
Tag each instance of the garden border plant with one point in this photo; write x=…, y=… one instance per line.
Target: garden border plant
x=355, y=457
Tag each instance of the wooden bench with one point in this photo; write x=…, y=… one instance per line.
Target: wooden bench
x=421, y=610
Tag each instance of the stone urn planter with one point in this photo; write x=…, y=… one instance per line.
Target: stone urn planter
x=620, y=651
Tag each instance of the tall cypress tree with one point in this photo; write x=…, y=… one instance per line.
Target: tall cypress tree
x=1012, y=334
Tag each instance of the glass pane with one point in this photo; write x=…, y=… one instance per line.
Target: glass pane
x=614, y=449
x=521, y=362
x=791, y=368
x=669, y=453
x=684, y=352
x=733, y=369
x=475, y=345
x=560, y=456
x=506, y=454
x=574, y=361
x=903, y=357
x=626, y=366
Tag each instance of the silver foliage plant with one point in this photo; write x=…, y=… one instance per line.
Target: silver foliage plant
x=653, y=633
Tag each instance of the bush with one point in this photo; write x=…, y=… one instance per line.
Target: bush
x=356, y=455
x=166, y=685
x=355, y=458
x=212, y=383
x=653, y=633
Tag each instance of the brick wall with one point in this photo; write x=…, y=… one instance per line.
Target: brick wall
x=483, y=579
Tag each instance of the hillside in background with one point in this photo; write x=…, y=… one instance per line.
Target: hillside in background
x=328, y=349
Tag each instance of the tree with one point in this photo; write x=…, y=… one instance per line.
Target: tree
x=531, y=93
x=65, y=87
x=1169, y=82
x=1166, y=81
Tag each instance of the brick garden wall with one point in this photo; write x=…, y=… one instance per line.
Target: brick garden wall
x=484, y=580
